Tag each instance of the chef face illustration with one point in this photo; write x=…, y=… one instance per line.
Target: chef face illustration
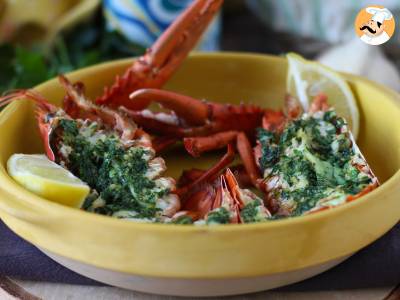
x=374, y=29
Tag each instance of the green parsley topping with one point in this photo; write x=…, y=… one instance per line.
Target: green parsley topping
x=183, y=220
x=117, y=174
x=218, y=216
x=251, y=212
x=313, y=159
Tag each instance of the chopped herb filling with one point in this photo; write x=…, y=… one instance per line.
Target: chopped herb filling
x=183, y=220
x=218, y=216
x=251, y=212
x=117, y=174
x=313, y=159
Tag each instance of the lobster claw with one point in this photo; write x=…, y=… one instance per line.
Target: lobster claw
x=154, y=68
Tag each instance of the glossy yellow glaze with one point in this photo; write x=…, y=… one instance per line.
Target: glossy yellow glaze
x=209, y=252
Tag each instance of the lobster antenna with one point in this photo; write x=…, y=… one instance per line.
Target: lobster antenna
x=15, y=95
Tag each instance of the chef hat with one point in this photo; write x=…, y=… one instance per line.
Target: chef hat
x=379, y=14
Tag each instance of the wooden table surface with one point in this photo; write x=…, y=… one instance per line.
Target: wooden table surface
x=26, y=290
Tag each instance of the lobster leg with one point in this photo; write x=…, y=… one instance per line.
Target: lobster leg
x=233, y=187
x=160, y=61
x=200, y=201
x=198, y=145
x=161, y=143
x=228, y=200
x=211, y=173
x=193, y=111
x=189, y=176
x=170, y=125
x=202, y=117
x=246, y=154
x=156, y=123
x=239, y=172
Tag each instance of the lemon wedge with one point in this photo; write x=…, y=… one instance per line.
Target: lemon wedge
x=306, y=79
x=47, y=179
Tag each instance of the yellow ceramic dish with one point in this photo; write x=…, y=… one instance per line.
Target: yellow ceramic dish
x=27, y=21
x=232, y=251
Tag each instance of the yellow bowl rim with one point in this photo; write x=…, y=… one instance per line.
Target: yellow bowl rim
x=105, y=220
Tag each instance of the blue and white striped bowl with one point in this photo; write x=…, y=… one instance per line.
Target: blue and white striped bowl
x=142, y=21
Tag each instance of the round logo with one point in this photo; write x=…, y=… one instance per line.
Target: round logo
x=374, y=25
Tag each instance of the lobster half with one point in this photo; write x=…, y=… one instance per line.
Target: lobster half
x=107, y=150
x=303, y=162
